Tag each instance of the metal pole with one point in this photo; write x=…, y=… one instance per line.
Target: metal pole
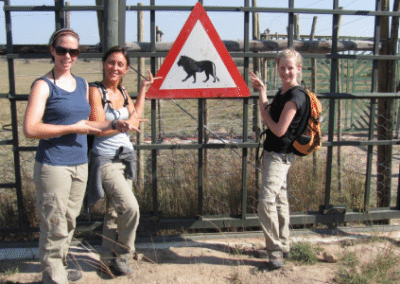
x=110, y=24
x=14, y=117
x=140, y=68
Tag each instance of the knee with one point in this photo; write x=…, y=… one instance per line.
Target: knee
x=266, y=207
x=129, y=209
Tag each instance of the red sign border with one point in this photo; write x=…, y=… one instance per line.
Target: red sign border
x=198, y=14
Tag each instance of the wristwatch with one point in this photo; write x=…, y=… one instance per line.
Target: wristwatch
x=114, y=124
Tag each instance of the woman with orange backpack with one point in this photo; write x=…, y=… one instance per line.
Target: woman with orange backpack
x=283, y=116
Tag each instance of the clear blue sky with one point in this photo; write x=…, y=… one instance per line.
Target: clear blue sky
x=36, y=27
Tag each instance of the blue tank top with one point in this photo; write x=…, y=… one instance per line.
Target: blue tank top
x=65, y=108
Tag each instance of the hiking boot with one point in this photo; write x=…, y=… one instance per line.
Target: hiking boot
x=286, y=254
x=74, y=275
x=262, y=253
x=122, y=265
x=275, y=263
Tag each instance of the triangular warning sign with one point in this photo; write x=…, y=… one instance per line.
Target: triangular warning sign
x=198, y=65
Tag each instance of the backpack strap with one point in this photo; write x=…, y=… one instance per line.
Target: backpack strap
x=124, y=94
x=104, y=94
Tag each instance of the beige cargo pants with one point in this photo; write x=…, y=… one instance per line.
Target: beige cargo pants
x=273, y=205
x=122, y=212
x=59, y=195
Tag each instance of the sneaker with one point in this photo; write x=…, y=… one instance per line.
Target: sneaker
x=275, y=263
x=74, y=275
x=122, y=265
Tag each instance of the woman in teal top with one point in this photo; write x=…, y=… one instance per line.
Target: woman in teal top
x=57, y=114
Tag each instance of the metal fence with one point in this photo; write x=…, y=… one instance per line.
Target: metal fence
x=200, y=167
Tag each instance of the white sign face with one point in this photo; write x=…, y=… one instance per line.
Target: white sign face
x=197, y=60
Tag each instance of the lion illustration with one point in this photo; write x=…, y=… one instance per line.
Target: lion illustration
x=192, y=66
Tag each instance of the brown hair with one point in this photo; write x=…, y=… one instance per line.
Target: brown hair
x=116, y=49
x=62, y=32
x=59, y=33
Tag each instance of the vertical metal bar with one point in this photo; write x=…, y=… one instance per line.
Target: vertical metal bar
x=291, y=25
x=121, y=22
x=333, y=89
x=59, y=14
x=14, y=117
x=245, y=110
x=372, y=114
x=153, y=112
x=200, y=169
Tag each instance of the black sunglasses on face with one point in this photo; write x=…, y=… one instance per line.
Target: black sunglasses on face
x=62, y=51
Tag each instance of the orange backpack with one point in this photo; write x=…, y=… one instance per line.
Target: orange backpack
x=309, y=138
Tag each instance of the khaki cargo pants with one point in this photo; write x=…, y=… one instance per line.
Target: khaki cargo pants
x=273, y=206
x=122, y=212
x=59, y=195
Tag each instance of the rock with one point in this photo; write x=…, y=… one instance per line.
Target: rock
x=330, y=257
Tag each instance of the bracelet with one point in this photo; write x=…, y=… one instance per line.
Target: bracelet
x=114, y=124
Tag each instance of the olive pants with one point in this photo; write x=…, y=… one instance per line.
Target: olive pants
x=59, y=195
x=122, y=212
x=273, y=205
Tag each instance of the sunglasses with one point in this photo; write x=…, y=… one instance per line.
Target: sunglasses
x=62, y=51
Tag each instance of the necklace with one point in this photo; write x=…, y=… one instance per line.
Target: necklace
x=54, y=77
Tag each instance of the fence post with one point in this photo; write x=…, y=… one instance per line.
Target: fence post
x=314, y=82
x=67, y=17
x=141, y=66
x=110, y=24
x=385, y=109
x=100, y=22
x=257, y=125
x=159, y=35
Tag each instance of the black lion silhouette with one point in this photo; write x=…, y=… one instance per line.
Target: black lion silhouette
x=192, y=66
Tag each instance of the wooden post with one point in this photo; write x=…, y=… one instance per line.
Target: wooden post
x=296, y=27
x=67, y=17
x=100, y=22
x=141, y=67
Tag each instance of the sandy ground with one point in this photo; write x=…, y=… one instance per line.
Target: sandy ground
x=223, y=260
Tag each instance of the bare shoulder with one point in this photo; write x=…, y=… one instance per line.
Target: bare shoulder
x=40, y=88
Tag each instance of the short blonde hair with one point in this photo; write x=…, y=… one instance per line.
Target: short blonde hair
x=288, y=53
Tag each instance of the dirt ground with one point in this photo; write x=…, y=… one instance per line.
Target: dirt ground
x=223, y=260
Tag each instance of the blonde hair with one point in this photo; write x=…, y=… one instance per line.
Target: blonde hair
x=291, y=53
x=288, y=53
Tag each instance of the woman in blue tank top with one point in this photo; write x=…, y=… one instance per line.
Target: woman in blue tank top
x=112, y=160
x=57, y=114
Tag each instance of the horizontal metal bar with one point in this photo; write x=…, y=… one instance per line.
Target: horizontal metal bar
x=218, y=221
x=6, y=142
x=361, y=143
x=45, y=8
x=271, y=93
x=7, y=185
x=260, y=9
